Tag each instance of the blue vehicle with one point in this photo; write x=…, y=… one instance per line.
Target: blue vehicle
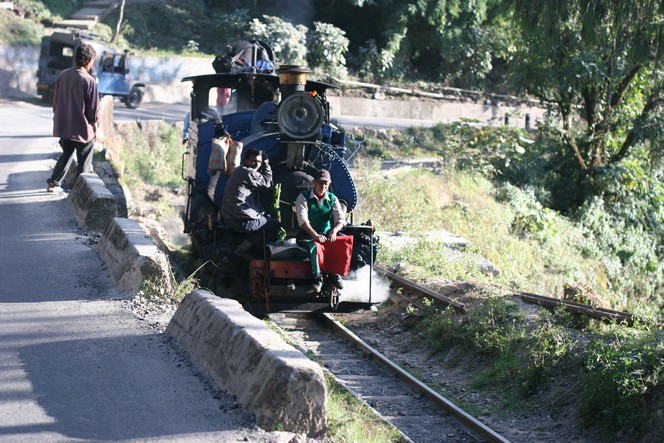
x=287, y=116
x=111, y=68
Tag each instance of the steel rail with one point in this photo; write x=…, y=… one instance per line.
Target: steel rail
x=441, y=299
x=603, y=314
x=467, y=420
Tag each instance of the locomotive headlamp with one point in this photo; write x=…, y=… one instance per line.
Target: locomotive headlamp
x=300, y=116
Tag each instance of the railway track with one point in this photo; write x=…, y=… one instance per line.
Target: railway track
x=602, y=314
x=417, y=411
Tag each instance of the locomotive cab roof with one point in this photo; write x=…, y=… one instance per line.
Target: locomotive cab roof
x=202, y=84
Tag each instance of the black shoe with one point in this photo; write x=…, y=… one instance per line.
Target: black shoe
x=336, y=281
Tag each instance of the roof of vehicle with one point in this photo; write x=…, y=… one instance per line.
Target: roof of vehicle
x=225, y=80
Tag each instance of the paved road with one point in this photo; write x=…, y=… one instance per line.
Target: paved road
x=176, y=112
x=75, y=365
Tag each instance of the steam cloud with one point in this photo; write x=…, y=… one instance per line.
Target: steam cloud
x=356, y=288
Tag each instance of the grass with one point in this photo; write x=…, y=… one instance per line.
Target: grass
x=15, y=31
x=150, y=155
x=170, y=289
x=417, y=201
x=351, y=421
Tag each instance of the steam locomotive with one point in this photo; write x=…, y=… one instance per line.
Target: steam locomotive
x=287, y=117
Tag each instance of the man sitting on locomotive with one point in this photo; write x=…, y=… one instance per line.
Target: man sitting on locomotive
x=321, y=216
x=241, y=207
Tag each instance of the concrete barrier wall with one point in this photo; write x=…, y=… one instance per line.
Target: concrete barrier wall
x=132, y=256
x=491, y=114
x=270, y=378
x=93, y=204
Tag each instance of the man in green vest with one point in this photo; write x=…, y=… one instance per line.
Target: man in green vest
x=320, y=216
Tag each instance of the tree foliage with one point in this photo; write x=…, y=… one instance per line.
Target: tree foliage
x=451, y=41
x=288, y=41
x=600, y=61
x=327, y=47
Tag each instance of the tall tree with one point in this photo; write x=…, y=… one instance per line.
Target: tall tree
x=452, y=41
x=600, y=61
x=120, y=17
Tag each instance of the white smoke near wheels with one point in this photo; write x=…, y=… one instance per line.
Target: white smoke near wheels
x=357, y=287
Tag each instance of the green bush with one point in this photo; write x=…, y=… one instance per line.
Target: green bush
x=15, y=31
x=288, y=41
x=550, y=349
x=228, y=28
x=625, y=380
x=516, y=355
x=143, y=26
x=530, y=217
x=48, y=11
x=628, y=253
x=491, y=329
x=327, y=46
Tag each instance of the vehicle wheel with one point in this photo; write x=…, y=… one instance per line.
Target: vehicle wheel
x=134, y=98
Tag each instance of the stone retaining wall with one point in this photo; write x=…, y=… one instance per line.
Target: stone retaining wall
x=93, y=204
x=270, y=378
x=132, y=256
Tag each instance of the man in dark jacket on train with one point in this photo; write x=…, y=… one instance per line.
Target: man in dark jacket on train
x=241, y=207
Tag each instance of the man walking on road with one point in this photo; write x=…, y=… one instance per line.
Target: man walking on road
x=75, y=114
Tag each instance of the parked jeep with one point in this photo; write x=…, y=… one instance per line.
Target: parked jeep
x=111, y=67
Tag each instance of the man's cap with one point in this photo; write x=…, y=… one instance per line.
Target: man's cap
x=323, y=175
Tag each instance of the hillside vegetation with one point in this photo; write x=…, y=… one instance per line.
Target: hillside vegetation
x=572, y=208
x=607, y=375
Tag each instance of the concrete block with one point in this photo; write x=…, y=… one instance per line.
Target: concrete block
x=77, y=24
x=94, y=205
x=132, y=256
x=105, y=118
x=270, y=378
x=110, y=179
x=92, y=14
